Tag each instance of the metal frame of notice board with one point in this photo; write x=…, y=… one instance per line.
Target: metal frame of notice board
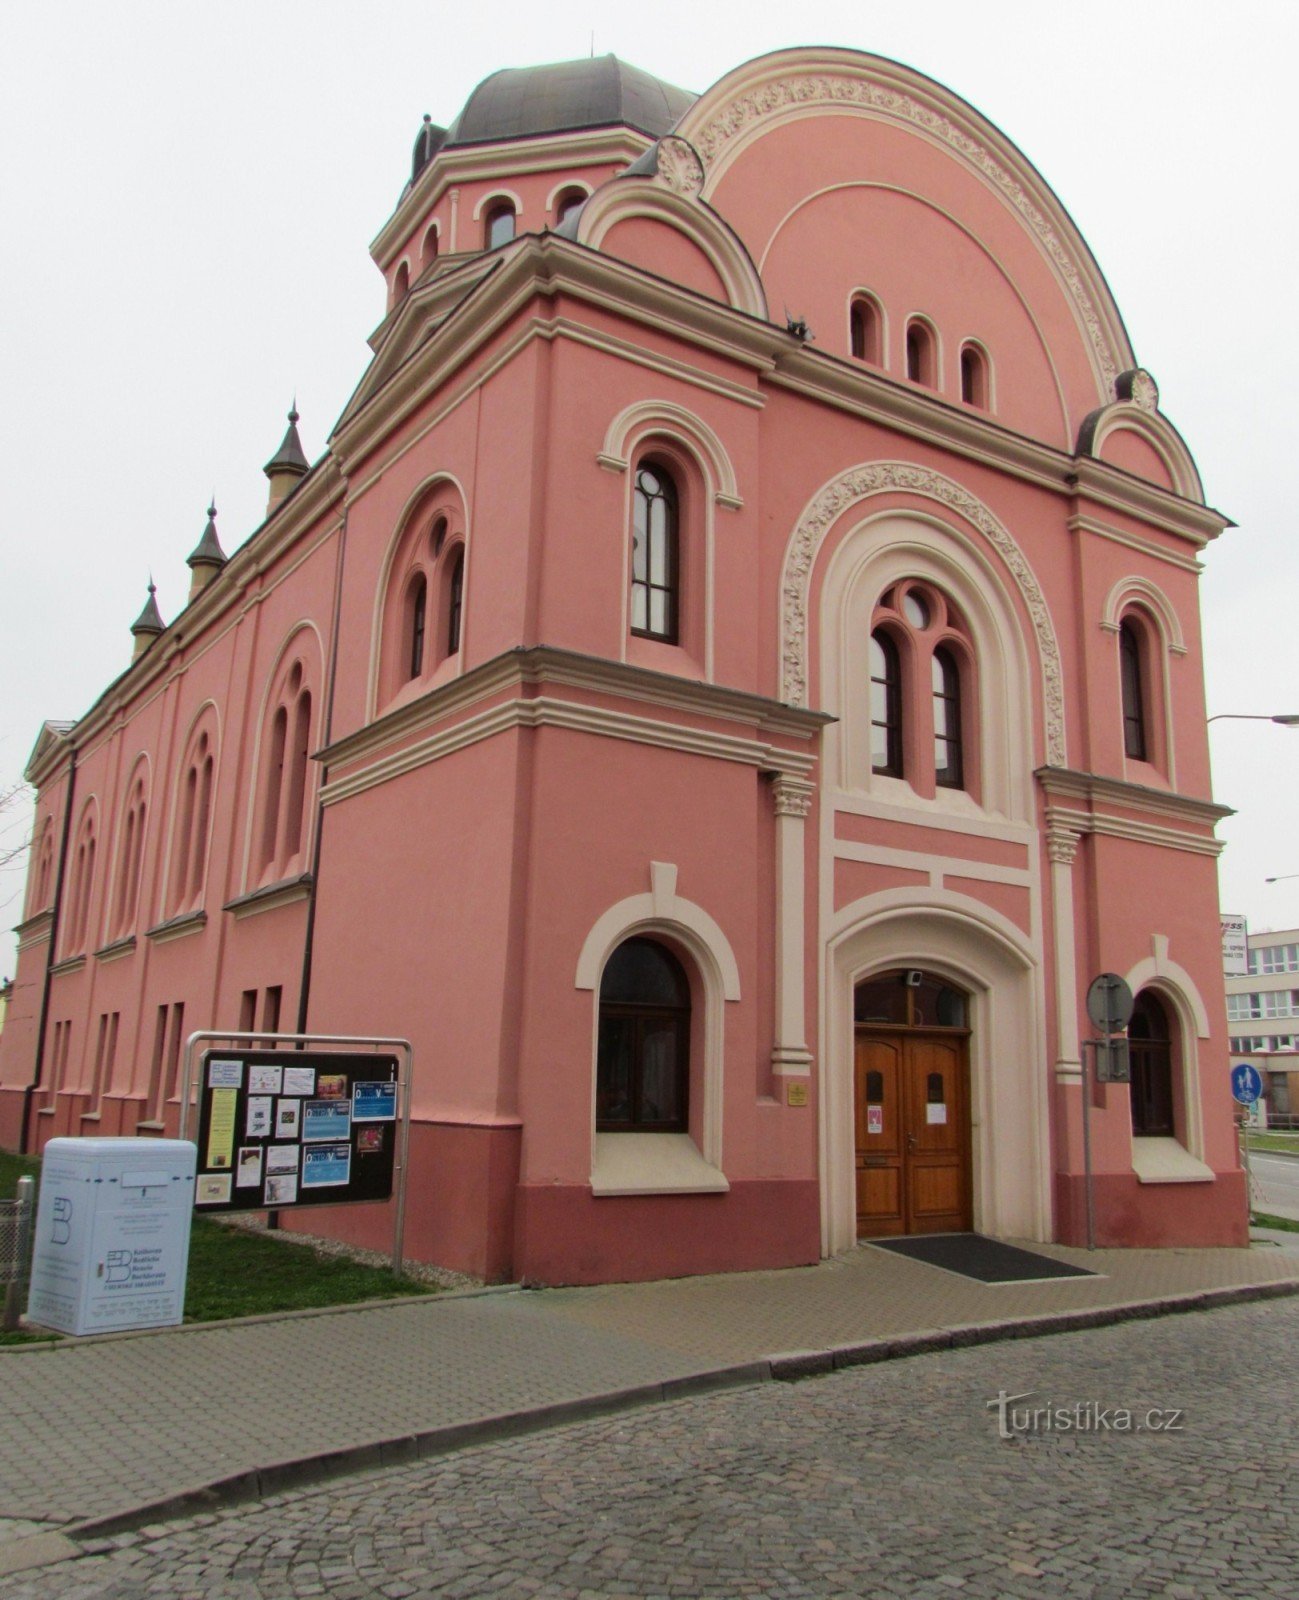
x=336, y=1042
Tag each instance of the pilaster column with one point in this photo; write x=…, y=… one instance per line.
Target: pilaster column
x=790, y=1056
x=1061, y=848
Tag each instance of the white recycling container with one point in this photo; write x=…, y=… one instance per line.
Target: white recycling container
x=112, y=1234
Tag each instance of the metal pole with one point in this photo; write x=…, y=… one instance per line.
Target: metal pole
x=26, y=1200
x=1088, y=1044
x=403, y=1159
x=1249, y=1180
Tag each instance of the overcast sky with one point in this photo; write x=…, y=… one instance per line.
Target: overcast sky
x=189, y=191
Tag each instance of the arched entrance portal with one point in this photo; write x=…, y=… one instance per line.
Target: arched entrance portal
x=912, y=1105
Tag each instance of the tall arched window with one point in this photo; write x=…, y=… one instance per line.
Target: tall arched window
x=83, y=881
x=974, y=377
x=886, y=706
x=922, y=358
x=948, y=765
x=1150, y=1043
x=1133, y=689
x=193, y=823
x=416, y=613
x=643, y=1066
x=130, y=860
x=655, y=554
x=284, y=779
x=498, y=224
x=865, y=329
x=44, y=869
x=455, y=597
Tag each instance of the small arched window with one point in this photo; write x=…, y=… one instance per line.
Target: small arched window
x=922, y=361
x=643, y=1066
x=886, y=706
x=948, y=765
x=865, y=330
x=568, y=204
x=44, y=869
x=655, y=554
x=429, y=253
x=455, y=598
x=1131, y=676
x=1150, y=1044
x=400, y=284
x=974, y=377
x=498, y=224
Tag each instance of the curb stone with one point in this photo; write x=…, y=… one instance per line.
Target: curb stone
x=79, y=1539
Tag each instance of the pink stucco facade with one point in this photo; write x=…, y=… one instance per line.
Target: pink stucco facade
x=292, y=805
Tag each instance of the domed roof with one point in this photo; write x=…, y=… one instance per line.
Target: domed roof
x=600, y=92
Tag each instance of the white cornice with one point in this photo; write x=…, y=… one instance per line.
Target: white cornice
x=1105, y=530
x=1093, y=789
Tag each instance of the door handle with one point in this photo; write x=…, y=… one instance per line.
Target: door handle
x=912, y=1142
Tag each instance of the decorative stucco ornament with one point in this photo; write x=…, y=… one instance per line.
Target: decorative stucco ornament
x=679, y=166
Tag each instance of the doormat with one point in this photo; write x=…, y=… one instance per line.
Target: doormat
x=984, y=1260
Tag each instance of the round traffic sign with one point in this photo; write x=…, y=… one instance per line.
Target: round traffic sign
x=1109, y=1003
x=1246, y=1083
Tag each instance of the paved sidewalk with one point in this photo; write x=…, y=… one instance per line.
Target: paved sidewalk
x=96, y=1433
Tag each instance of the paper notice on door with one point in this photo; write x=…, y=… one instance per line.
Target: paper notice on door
x=874, y=1119
x=935, y=1114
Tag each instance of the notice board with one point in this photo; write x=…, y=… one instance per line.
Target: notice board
x=281, y=1129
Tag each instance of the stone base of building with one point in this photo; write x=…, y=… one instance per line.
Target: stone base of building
x=1134, y=1215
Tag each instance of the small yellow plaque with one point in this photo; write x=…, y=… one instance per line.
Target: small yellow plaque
x=795, y=1093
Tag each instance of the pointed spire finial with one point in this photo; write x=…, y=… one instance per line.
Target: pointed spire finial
x=149, y=624
x=288, y=464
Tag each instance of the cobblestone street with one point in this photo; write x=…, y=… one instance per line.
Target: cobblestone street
x=888, y=1480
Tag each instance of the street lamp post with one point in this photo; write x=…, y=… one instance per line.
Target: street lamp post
x=1289, y=719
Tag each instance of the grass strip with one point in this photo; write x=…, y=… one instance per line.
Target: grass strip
x=1262, y=1219
x=238, y=1272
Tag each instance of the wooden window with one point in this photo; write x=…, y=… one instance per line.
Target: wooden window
x=974, y=377
x=416, y=614
x=1131, y=674
x=643, y=1067
x=498, y=225
x=864, y=330
x=455, y=598
x=886, y=706
x=655, y=555
x=922, y=365
x=948, y=765
x=1150, y=1045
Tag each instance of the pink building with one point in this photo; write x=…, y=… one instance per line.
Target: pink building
x=731, y=682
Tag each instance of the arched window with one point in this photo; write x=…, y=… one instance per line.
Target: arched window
x=415, y=623
x=1150, y=1044
x=569, y=202
x=886, y=706
x=974, y=377
x=429, y=252
x=643, y=1066
x=865, y=327
x=922, y=363
x=284, y=781
x=44, y=869
x=129, y=861
x=655, y=564
x=194, y=807
x=83, y=879
x=400, y=284
x=948, y=766
x=498, y=224
x=921, y=670
x=455, y=597
x=1133, y=690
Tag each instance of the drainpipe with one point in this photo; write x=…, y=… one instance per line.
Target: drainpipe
x=30, y=1091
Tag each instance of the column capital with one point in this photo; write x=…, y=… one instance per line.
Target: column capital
x=793, y=796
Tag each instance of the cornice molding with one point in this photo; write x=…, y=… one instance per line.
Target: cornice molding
x=177, y=927
x=115, y=950
x=35, y=930
x=270, y=897
x=1094, y=790
x=475, y=163
x=68, y=965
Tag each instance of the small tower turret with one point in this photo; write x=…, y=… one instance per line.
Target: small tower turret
x=287, y=465
x=207, y=558
x=148, y=625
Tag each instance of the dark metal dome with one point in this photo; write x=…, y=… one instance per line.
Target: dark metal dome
x=601, y=92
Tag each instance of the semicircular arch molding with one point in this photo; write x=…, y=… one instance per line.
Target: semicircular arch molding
x=1134, y=590
x=1154, y=429
x=799, y=83
x=648, y=418
x=841, y=495
x=629, y=198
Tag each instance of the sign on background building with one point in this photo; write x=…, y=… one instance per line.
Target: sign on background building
x=1235, y=952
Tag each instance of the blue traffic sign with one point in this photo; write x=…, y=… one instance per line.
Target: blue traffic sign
x=1246, y=1083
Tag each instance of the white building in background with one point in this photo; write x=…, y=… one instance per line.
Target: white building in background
x=1263, y=1018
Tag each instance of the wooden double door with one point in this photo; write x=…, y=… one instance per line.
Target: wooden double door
x=913, y=1133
